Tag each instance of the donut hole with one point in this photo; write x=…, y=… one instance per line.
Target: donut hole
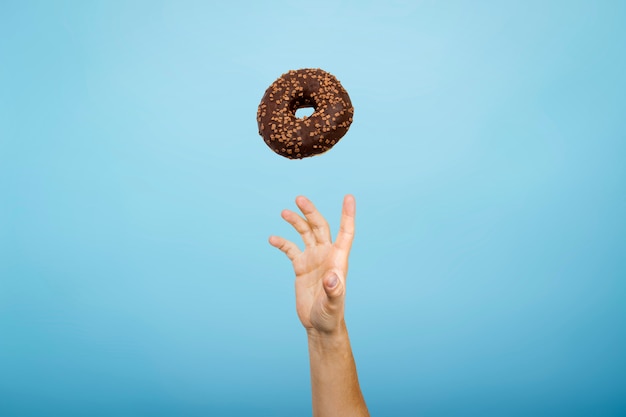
x=303, y=112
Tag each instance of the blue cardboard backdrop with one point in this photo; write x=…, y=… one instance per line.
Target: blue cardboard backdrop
x=136, y=197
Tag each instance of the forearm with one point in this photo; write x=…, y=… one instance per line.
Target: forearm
x=334, y=380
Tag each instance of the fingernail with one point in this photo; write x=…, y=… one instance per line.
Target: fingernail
x=333, y=280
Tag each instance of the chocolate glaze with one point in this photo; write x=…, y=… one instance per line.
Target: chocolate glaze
x=297, y=138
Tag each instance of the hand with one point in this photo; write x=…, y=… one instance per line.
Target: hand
x=322, y=267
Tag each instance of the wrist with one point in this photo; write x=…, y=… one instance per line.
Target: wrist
x=328, y=339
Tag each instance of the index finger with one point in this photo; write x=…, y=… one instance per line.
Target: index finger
x=346, y=227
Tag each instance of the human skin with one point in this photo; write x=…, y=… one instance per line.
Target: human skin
x=321, y=271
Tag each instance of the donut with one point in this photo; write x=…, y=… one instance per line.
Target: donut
x=297, y=138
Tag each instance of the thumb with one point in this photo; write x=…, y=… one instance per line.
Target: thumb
x=334, y=287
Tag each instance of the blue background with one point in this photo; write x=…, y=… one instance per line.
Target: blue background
x=487, y=157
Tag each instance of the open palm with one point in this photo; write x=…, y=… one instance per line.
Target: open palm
x=322, y=267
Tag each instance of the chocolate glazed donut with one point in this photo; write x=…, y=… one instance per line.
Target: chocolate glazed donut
x=297, y=138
